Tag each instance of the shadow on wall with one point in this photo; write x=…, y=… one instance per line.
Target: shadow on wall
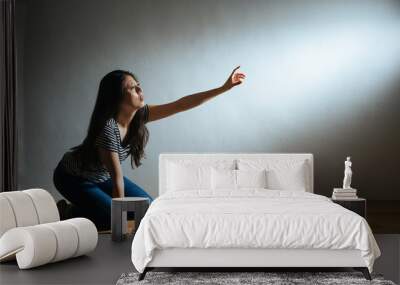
x=366, y=134
x=369, y=136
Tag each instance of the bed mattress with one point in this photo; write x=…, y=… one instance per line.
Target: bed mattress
x=250, y=219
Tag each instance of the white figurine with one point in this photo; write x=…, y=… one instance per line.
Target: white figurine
x=347, y=174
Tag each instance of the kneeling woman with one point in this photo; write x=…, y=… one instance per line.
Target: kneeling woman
x=90, y=174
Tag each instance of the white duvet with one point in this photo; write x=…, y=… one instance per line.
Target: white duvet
x=250, y=218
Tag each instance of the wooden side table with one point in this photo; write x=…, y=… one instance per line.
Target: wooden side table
x=119, y=209
x=358, y=206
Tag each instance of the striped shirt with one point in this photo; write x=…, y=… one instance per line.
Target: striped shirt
x=109, y=139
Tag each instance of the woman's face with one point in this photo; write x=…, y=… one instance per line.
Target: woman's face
x=133, y=94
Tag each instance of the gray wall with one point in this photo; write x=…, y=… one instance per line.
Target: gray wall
x=323, y=77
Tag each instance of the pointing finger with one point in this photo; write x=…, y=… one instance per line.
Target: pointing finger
x=235, y=70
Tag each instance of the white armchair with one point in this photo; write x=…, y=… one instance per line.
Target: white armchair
x=31, y=230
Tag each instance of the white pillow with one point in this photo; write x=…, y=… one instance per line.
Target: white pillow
x=251, y=178
x=289, y=179
x=223, y=179
x=188, y=177
x=236, y=179
x=281, y=174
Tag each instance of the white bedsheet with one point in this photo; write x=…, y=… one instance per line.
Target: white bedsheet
x=250, y=218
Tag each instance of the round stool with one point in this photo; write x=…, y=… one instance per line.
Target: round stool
x=119, y=209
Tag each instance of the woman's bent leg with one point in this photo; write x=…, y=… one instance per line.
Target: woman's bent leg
x=90, y=200
x=134, y=190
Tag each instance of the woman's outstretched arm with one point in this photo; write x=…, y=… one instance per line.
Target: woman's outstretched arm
x=157, y=112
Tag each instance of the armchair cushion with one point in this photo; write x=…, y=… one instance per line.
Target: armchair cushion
x=40, y=244
x=31, y=231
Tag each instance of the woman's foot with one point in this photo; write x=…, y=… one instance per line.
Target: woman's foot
x=64, y=209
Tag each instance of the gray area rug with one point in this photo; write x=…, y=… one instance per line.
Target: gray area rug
x=232, y=278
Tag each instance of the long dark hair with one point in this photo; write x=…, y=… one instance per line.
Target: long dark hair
x=109, y=99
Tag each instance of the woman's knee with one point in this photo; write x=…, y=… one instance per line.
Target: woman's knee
x=63, y=184
x=134, y=190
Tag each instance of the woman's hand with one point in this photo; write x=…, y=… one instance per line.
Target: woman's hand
x=234, y=79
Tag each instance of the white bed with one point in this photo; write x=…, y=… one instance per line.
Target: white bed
x=193, y=224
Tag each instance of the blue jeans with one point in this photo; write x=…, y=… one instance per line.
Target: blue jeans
x=92, y=200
